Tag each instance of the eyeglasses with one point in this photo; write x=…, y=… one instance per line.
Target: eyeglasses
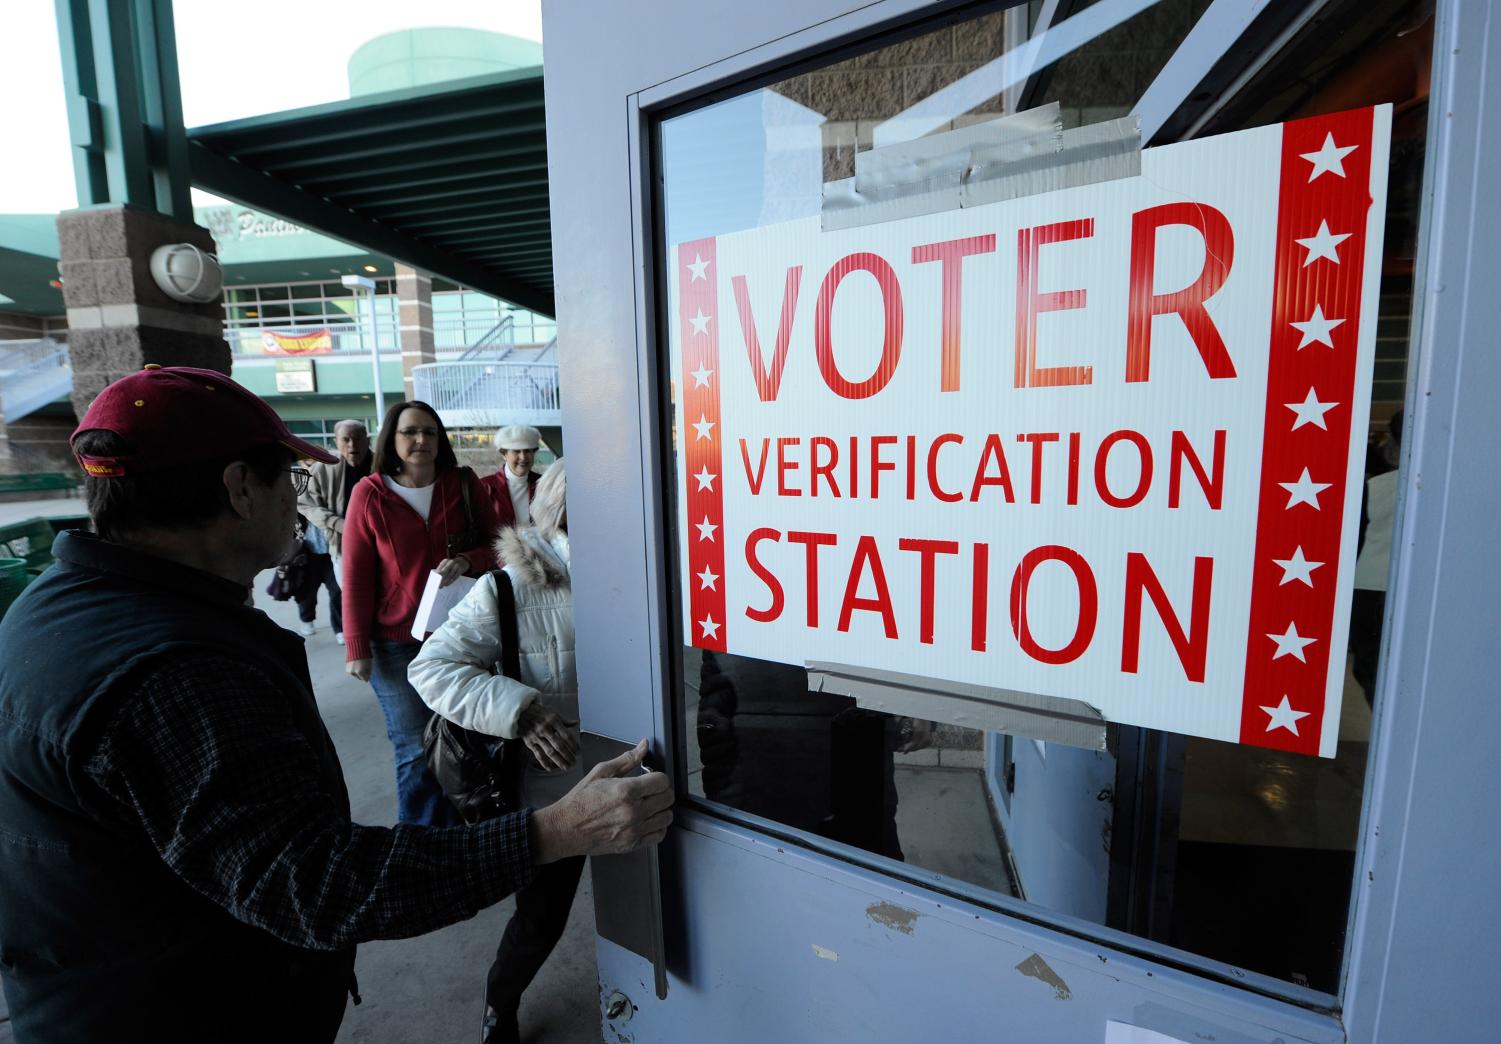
x=300, y=478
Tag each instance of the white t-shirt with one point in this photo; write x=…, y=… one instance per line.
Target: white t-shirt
x=420, y=498
x=1381, y=513
x=521, y=499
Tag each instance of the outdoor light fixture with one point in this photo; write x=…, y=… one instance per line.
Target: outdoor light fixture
x=371, y=268
x=365, y=283
x=186, y=273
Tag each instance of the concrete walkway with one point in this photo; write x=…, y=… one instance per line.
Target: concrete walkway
x=428, y=989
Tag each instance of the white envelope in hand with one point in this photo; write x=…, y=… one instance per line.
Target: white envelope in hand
x=437, y=602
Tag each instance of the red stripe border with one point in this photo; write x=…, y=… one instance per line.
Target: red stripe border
x=701, y=435
x=1316, y=308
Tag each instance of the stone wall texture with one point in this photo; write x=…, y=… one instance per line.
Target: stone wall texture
x=118, y=318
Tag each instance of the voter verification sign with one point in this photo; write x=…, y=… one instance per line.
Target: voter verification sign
x=1104, y=443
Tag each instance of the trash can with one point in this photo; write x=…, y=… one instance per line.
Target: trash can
x=13, y=580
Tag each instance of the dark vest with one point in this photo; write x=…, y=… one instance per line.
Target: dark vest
x=99, y=940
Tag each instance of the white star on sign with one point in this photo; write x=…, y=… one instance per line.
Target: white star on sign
x=1310, y=411
x=1297, y=568
x=700, y=322
x=1322, y=243
x=711, y=629
x=1291, y=643
x=1304, y=491
x=704, y=426
x=705, y=478
x=1317, y=328
x=1329, y=159
x=1284, y=717
x=706, y=529
x=701, y=376
x=697, y=266
x=707, y=579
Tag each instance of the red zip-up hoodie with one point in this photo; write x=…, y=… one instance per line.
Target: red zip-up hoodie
x=389, y=550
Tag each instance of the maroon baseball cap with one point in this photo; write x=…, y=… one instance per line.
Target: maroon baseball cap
x=176, y=415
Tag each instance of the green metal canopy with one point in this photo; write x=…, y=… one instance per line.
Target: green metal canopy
x=28, y=264
x=449, y=179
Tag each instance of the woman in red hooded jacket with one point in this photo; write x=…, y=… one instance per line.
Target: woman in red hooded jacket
x=416, y=512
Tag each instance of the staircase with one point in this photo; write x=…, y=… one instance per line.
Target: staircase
x=514, y=386
x=32, y=374
x=495, y=342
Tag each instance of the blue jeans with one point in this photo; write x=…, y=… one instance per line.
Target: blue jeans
x=419, y=799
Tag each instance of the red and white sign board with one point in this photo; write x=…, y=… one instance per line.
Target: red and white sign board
x=1104, y=444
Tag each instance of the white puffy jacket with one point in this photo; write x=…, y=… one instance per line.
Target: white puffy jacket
x=452, y=671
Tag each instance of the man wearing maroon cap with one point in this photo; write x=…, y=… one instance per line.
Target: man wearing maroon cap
x=177, y=860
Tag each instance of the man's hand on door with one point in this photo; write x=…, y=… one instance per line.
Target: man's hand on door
x=615, y=808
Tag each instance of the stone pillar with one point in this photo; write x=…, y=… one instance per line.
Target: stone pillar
x=118, y=318
x=414, y=298
x=7, y=458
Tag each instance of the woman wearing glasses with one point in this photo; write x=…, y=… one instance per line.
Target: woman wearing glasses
x=417, y=511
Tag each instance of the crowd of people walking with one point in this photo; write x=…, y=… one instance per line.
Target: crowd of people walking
x=178, y=758
x=393, y=516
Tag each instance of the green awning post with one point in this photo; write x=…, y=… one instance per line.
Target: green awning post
x=124, y=104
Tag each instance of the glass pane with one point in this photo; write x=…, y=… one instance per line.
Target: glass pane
x=1238, y=854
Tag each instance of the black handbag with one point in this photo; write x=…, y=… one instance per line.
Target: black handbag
x=470, y=537
x=481, y=775
x=292, y=575
x=291, y=579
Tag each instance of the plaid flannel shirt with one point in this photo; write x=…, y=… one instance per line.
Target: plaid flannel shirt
x=227, y=790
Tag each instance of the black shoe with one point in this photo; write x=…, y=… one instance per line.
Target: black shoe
x=496, y=1028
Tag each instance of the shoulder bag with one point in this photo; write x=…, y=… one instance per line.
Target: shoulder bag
x=470, y=537
x=480, y=774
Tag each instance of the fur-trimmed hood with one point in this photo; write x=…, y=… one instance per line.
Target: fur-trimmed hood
x=538, y=561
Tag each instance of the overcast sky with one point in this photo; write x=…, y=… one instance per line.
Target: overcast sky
x=235, y=59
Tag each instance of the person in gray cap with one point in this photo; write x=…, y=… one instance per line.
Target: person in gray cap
x=510, y=489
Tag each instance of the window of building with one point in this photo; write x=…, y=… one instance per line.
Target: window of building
x=464, y=319
x=275, y=312
x=1234, y=860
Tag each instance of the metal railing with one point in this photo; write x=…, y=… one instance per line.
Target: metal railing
x=32, y=374
x=489, y=387
x=449, y=335
x=499, y=340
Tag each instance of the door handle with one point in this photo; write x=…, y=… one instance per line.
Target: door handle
x=627, y=888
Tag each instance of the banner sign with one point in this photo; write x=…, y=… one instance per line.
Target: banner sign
x=1104, y=444
x=297, y=341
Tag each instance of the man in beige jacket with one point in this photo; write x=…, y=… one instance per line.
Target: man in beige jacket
x=327, y=499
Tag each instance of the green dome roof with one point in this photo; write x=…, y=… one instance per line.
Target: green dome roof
x=413, y=57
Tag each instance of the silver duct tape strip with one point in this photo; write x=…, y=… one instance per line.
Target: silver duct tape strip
x=926, y=175
x=984, y=166
x=1047, y=718
x=1088, y=155
x=909, y=163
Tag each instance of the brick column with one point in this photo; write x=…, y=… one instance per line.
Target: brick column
x=118, y=318
x=414, y=298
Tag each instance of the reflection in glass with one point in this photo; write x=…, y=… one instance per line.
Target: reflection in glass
x=1236, y=854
